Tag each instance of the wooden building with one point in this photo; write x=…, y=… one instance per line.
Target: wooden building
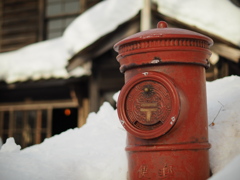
x=33, y=109
x=25, y=22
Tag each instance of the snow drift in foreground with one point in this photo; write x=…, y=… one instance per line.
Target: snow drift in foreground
x=96, y=150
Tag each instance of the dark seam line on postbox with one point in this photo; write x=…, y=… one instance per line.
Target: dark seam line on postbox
x=124, y=68
x=173, y=147
x=162, y=49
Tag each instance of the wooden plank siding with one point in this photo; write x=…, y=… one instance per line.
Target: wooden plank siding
x=19, y=23
x=23, y=22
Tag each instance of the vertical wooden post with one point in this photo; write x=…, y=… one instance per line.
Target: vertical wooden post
x=83, y=112
x=25, y=132
x=1, y=123
x=49, y=122
x=41, y=20
x=1, y=24
x=82, y=5
x=11, y=119
x=146, y=15
x=38, y=127
x=94, y=94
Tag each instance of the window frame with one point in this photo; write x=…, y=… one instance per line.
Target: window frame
x=34, y=106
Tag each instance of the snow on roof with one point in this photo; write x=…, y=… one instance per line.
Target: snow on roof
x=43, y=60
x=97, y=150
x=98, y=21
x=218, y=17
x=48, y=59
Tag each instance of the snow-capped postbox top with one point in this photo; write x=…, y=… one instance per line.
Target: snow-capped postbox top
x=163, y=45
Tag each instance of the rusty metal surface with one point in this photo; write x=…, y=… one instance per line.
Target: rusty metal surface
x=163, y=104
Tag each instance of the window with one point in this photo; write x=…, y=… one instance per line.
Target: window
x=56, y=7
x=28, y=127
x=59, y=14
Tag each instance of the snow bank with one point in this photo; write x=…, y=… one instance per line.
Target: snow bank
x=10, y=146
x=230, y=172
x=96, y=150
x=223, y=111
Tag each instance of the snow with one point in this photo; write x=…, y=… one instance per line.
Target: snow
x=96, y=150
x=230, y=172
x=48, y=59
x=43, y=60
x=98, y=21
x=10, y=146
x=223, y=106
x=218, y=17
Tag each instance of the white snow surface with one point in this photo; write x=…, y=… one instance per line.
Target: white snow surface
x=43, y=60
x=98, y=21
x=223, y=97
x=48, y=59
x=96, y=150
x=218, y=17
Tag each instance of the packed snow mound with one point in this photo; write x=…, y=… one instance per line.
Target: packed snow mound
x=10, y=146
x=223, y=98
x=96, y=150
x=230, y=172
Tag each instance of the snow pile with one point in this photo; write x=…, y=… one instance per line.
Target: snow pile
x=10, y=146
x=224, y=119
x=230, y=172
x=96, y=151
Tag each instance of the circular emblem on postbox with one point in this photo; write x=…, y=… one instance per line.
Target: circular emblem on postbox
x=148, y=105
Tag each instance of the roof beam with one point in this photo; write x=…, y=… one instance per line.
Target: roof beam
x=227, y=52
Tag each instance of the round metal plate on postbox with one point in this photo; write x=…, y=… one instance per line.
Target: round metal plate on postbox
x=148, y=105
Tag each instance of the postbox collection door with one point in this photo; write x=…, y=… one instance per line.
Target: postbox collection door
x=149, y=105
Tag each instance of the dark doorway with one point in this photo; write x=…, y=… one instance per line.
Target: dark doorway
x=64, y=119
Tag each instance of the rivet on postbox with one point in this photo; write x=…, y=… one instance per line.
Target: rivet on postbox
x=163, y=103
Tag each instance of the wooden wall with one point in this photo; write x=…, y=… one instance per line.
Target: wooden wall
x=19, y=23
x=23, y=22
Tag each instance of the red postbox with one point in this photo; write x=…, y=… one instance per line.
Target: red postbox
x=163, y=103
